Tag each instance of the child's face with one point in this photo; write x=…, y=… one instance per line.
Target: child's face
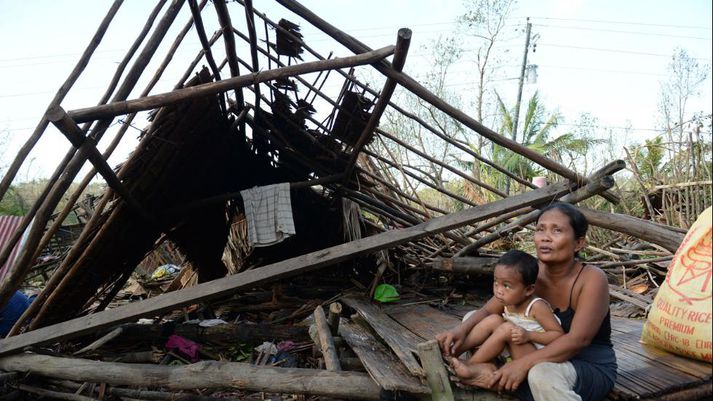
x=508, y=287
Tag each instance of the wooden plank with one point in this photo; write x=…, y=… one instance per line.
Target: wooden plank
x=401, y=341
x=286, y=268
x=382, y=365
x=423, y=320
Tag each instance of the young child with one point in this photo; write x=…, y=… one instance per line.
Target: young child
x=527, y=320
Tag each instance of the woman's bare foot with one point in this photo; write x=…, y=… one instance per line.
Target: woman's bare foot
x=477, y=375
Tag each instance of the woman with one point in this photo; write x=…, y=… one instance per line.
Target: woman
x=580, y=365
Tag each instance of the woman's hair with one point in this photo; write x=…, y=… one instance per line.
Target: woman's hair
x=577, y=220
x=523, y=263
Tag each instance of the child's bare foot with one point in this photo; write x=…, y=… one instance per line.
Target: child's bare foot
x=477, y=375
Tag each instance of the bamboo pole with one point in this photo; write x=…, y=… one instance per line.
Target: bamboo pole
x=403, y=40
x=57, y=99
x=17, y=272
x=203, y=38
x=227, y=27
x=150, y=102
x=181, y=82
x=250, y=21
x=409, y=83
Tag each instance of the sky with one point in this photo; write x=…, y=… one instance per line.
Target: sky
x=603, y=57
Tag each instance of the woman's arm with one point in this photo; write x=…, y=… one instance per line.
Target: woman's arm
x=451, y=341
x=592, y=305
x=541, y=312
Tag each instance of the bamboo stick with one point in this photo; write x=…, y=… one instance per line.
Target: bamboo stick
x=57, y=99
x=409, y=83
x=181, y=82
x=164, y=99
x=203, y=38
x=403, y=40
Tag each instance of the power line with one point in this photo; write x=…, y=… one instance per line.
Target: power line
x=618, y=31
x=616, y=51
x=625, y=23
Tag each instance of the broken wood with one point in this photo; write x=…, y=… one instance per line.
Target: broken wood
x=335, y=311
x=98, y=343
x=205, y=374
x=393, y=334
x=436, y=373
x=382, y=365
x=286, y=268
x=465, y=264
x=326, y=344
x=151, y=102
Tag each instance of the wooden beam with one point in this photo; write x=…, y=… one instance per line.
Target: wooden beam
x=221, y=8
x=465, y=265
x=646, y=230
x=286, y=268
x=179, y=95
x=205, y=374
x=74, y=134
x=417, y=89
x=403, y=40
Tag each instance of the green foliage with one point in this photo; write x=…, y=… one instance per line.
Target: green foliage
x=12, y=204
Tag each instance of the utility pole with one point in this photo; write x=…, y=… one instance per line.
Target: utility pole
x=516, y=117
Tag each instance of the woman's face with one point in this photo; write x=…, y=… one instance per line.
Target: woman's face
x=555, y=239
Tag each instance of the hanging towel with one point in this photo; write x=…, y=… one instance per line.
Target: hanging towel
x=268, y=211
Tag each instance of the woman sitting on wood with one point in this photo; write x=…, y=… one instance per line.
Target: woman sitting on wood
x=579, y=365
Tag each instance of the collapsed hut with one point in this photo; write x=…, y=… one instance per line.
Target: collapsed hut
x=253, y=124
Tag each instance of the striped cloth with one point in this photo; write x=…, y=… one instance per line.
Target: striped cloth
x=8, y=225
x=268, y=211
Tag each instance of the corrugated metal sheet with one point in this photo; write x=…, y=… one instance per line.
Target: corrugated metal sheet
x=8, y=225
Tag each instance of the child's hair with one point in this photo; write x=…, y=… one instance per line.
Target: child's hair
x=523, y=262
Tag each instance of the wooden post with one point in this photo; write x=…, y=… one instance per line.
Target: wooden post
x=283, y=269
x=436, y=374
x=326, y=343
x=179, y=95
x=335, y=312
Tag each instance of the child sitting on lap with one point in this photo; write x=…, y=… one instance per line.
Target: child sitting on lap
x=527, y=323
